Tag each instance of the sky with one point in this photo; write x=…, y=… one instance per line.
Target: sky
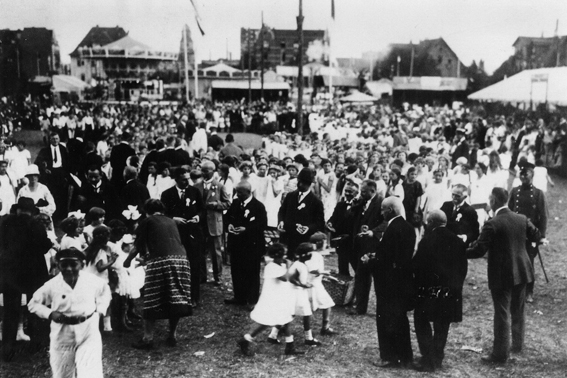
x=475, y=30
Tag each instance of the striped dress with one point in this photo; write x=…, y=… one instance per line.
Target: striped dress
x=167, y=291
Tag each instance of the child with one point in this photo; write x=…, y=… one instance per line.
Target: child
x=163, y=180
x=99, y=258
x=95, y=217
x=299, y=277
x=275, y=306
x=73, y=238
x=318, y=296
x=541, y=177
x=72, y=301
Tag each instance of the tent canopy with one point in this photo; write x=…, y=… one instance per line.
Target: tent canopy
x=68, y=84
x=358, y=97
x=221, y=67
x=377, y=88
x=243, y=84
x=127, y=43
x=538, y=86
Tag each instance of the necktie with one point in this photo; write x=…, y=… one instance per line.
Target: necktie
x=55, y=154
x=455, y=210
x=182, y=195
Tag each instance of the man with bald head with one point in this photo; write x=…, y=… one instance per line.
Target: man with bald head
x=440, y=268
x=393, y=283
x=216, y=200
x=247, y=220
x=462, y=218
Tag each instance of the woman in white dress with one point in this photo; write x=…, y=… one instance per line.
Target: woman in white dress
x=20, y=160
x=42, y=197
x=480, y=190
x=274, y=195
x=328, y=187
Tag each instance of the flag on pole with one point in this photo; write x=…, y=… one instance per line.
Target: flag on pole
x=333, y=9
x=197, y=18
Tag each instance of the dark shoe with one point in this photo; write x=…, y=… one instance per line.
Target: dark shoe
x=234, y=301
x=8, y=355
x=424, y=367
x=355, y=313
x=490, y=359
x=389, y=364
x=274, y=341
x=290, y=350
x=245, y=347
x=313, y=342
x=171, y=341
x=328, y=332
x=143, y=344
x=516, y=350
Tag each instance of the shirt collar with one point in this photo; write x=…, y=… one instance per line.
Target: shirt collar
x=390, y=221
x=500, y=208
x=246, y=201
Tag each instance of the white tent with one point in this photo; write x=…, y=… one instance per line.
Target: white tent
x=221, y=69
x=68, y=84
x=358, y=97
x=537, y=86
x=378, y=88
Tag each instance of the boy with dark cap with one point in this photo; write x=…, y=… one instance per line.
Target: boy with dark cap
x=73, y=301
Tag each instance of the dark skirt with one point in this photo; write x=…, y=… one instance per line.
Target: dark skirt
x=167, y=288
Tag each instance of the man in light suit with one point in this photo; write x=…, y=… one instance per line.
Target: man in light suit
x=53, y=163
x=462, y=218
x=247, y=220
x=184, y=204
x=216, y=200
x=509, y=271
x=301, y=213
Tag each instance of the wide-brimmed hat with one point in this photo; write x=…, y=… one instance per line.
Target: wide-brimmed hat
x=32, y=169
x=25, y=204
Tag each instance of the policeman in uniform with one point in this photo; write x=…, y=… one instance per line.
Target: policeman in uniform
x=530, y=201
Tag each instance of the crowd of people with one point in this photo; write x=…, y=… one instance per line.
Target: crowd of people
x=145, y=196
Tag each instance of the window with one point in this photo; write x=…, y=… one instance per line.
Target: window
x=440, y=59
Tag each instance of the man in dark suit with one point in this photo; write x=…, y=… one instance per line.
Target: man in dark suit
x=301, y=213
x=216, y=200
x=247, y=220
x=340, y=225
x=97, y=191
x=53, y=163
x=440, y=268
x=181, y=155
x=393, y=284
x=184, y=204
x=462, y=218
x=462, y=148
x=215, y=141
x=509, y=271
x=168, y=154
x=134, y=193
x=366, y=217
x=118, y=156
x=152, y=156
x=530, y=201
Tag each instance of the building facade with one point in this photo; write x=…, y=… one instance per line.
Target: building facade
x=279, y=47
x=530, y=53
x=24, y=55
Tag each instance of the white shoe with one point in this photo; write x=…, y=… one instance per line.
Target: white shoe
x=21, y=336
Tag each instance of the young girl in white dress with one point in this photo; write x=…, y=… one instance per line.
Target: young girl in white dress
x=318, y=296
x=99, y=258
x=275, y=306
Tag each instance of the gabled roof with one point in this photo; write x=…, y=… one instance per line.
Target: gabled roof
x=534, y=40
x=98, y=36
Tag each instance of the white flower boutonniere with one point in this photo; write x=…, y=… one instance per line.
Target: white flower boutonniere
x=188, y=201
x=301, y=206
x=251, y=219
x=459, y=216
x=246, y=213
x=213, y=187
x=132, y=213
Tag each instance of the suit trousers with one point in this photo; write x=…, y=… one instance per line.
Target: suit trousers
x=194, y=256
x=532, y=253
x=245, y=278
x=393, y=330
x=431, y=341
x=508, y=303
x=213, y=248
x=344, y=251
x=362, y=279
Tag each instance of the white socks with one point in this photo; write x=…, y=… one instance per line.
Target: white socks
x=308, y=335
x=21, y=336
x=106, y=323
x=274, y=333
x=289, y=339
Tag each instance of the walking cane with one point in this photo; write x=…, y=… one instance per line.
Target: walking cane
x=542, y=267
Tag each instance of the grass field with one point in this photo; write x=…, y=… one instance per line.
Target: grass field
x=351, y=353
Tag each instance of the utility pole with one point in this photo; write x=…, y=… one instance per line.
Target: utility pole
x=398, y=66
x=249, y=67
x=262, y=59
x=411, y=63
x=300, y=70
x=186, y=63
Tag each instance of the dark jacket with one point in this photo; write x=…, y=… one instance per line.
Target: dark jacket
x=463, y=222
x=134, y=193
x=504, y=238
x=106, y=198
x=372, y=218
x=440, y=268
x=250, y=244
x=393, y=276
x=191, y=233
